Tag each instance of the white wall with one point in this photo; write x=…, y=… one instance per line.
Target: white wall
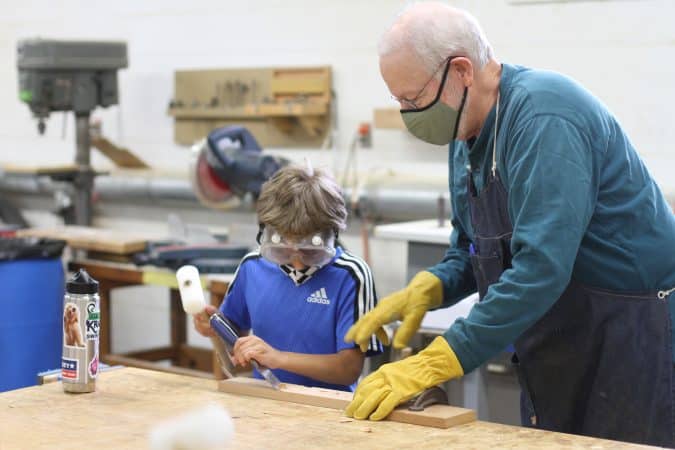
x=623, y=51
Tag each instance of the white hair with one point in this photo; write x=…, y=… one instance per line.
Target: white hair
x=434, y=31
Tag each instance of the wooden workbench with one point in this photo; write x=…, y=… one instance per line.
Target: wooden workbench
x=129, y=401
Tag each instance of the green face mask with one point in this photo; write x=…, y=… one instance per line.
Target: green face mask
x=436, y=123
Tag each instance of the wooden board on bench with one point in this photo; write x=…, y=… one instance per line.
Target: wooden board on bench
x=438, y=416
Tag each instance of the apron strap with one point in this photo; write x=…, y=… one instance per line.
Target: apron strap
x=494, y=143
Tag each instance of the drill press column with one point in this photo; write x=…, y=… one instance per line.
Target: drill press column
x=84, y=179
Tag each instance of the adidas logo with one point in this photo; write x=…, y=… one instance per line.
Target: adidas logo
x=319, y=297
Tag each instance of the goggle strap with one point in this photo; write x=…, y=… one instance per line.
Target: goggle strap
x=258, y=237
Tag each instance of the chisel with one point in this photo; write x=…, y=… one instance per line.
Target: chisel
x=226, y=331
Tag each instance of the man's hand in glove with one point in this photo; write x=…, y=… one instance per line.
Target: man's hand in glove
x=381, y=391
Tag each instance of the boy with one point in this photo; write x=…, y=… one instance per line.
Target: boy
x=300, y=291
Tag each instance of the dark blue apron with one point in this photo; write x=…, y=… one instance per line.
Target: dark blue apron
x=598, y=363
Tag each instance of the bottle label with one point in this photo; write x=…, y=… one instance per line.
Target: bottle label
x=93, y=322
x=93, y=366
x=81, y=334
x=72, y=331
x=69, y=369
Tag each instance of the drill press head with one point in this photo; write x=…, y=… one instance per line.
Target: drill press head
x=78, y=76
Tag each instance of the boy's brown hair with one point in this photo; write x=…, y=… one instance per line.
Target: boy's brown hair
x=297, y=202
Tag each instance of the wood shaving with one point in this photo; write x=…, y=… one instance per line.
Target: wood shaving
x=345, y=420
x=367, y=430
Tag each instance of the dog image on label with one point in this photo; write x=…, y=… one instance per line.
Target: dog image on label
x=72, y=333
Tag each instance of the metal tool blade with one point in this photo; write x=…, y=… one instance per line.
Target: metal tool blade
x=267, y=374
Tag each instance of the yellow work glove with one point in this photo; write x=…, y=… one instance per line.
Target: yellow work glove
x=395, y=383
x=425, y=291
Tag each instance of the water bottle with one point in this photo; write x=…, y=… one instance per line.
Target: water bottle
x=81, y=325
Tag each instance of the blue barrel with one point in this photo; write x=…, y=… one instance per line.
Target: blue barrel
x=31, y=328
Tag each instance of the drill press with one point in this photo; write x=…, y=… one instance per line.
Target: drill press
x=78, y=76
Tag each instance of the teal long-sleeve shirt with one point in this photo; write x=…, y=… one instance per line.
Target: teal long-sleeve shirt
x=582, y=205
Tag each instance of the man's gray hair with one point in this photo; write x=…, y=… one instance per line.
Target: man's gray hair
x=435, y=31
x=297, y=202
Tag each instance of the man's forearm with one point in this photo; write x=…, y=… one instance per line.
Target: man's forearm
x=455, y=270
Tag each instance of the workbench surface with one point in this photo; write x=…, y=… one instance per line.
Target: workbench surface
x=129, y=401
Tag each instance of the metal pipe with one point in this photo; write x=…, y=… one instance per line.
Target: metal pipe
x=374, y=202
x=121, y=188
x=397, y=203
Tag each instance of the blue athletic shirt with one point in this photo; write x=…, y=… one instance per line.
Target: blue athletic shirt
x=312, y=317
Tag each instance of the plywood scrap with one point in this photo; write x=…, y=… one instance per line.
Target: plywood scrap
x=438, y=416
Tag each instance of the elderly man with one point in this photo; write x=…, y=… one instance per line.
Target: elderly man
x=558, y=225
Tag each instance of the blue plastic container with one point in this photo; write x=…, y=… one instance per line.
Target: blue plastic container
x=31, y=311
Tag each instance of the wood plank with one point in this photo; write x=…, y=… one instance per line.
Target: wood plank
x=437, y=416
x=38, y=170
x=250, y=112
x=266, y=131
x=119, y=275
x=89, y=238
x=122, y=157
x=260, y=111
x=110, y=257
x=283, y=109
x=301, y=81
x=388, y=118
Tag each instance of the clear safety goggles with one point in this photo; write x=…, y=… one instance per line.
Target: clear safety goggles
x=314, y=250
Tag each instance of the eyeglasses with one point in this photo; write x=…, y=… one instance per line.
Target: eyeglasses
x=412, y=103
